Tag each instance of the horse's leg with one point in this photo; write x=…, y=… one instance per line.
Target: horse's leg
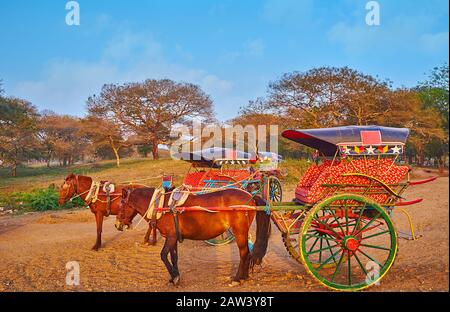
x=164, y=252
x=174, y=259
x=147, y=235
x=241, y=235
x=99, y=221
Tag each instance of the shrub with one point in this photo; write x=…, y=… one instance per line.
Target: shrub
x=37, y=200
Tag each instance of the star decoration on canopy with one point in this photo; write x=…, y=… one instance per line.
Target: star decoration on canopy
x=370, y=150
x=396, y=149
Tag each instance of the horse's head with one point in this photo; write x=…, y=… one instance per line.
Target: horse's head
x=126, y=211
x=68, y=189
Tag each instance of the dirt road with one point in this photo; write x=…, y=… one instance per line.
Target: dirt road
x=35, y=248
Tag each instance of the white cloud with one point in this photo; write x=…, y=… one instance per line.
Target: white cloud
x=398, y=34
x=66, y=84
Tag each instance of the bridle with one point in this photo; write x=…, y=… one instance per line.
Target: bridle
x=75, y=189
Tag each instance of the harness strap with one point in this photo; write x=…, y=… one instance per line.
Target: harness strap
x=92, y=191
x=108, y=199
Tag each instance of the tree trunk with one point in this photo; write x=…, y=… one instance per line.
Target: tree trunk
x=115, y=150
x=155, y=149
x=14, y=170
x=441, y=164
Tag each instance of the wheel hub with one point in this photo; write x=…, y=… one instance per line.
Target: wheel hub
x=350, y=243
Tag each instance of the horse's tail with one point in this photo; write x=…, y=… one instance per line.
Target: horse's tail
x=263, y=230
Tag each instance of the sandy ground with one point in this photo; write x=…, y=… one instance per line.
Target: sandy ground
x=35, y=248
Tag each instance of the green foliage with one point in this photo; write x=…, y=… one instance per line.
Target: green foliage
x=295, y=168
x=36, y=200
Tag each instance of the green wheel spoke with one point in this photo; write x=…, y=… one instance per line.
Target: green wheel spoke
x=322, y=249
x=369, y=257
x=374, y=246
x=327, y=260
x=337, y=266
x=334, y=259
x=314, y=244
x=360, y=264
x=349, y=270
x=359, y=218
x=320, y=236
x=335, y=218
x=346, y=217
x=376, y=234
x=320, y=254
x=367, y=224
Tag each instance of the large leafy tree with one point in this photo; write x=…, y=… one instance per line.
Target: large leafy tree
x=101, y=133
x=61, y=138
x=434, y=93
x=18, y=132
x=424, y=122
x=149, y=109
x=326, y=96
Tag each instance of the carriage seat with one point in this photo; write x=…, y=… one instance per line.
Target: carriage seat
x=309, y=179
x=194, y=179
x=309, y=190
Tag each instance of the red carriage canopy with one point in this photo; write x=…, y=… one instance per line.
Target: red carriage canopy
x=329, y=140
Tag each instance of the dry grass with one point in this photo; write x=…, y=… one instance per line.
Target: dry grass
x=145, y=171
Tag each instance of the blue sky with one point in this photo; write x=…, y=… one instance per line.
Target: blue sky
x=232, y=49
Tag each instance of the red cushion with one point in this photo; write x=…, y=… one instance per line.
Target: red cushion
x=310, y=188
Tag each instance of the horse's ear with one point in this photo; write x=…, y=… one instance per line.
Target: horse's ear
x=70, y=176
x=125, y=192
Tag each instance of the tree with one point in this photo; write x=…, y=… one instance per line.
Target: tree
x=18, y=129
x=61, y=138
x=434, y=94
x=101, y=132
x=409, y=112
x=151, y=108
x=327, y=96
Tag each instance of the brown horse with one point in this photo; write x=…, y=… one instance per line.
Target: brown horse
x=78, y=185
x=202, y=225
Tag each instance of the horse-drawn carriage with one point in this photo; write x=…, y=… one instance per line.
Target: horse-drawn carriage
x=218, y=168
x=340, y=227
x=339, y=224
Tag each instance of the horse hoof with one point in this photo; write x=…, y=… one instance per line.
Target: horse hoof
x=95, y=248
x=234, y=284
x=176, y=281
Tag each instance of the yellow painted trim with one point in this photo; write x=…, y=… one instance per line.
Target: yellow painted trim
x=411, y=225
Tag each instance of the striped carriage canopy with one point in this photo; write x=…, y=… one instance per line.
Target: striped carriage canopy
x=215, y=157
x=352, y=140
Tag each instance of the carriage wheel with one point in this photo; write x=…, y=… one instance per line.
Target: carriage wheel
x=223, y=239
x=275, y=189
x=361, y=236
x=291, y=241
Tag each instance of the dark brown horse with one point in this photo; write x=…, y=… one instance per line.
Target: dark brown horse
x=202, y=225
x=78, y=185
